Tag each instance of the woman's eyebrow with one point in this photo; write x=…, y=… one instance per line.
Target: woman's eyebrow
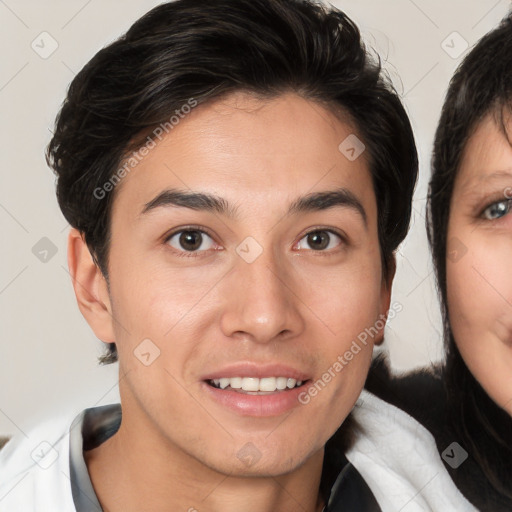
x=211, y=203
x=495, y=175
x=484, y=177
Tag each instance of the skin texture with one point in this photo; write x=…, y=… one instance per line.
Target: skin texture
x=177, y=448
x=479, y=280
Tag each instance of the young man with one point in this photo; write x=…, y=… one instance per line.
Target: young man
x=238, y=175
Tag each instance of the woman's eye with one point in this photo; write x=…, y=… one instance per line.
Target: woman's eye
x=191, y=240
x=497, y=210
x=320, y=240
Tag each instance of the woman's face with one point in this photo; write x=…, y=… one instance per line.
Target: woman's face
x=479, y=260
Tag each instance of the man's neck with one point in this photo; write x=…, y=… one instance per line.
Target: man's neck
x=132, y=473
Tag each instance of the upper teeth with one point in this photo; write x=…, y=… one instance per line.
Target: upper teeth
x=255, y=384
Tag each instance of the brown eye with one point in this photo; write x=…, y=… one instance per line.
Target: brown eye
x=320, y=240
x=190, y=240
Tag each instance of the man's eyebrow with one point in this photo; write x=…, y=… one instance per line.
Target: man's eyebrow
x=316, y=201
x=192, y=200
x=329, y=199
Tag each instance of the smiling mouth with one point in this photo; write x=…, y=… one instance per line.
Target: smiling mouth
x=255, y=386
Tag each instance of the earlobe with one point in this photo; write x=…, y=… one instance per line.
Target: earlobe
x=90, y=287
x=387, y=284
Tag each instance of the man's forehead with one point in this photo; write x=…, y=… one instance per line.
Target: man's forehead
x=277, y=157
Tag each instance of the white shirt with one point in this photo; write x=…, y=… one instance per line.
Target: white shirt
x=35, y=470
x=397, y=457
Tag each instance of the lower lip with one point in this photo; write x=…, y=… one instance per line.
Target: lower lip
x=272, y=404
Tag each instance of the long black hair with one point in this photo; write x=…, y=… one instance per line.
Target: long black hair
x=481, y=86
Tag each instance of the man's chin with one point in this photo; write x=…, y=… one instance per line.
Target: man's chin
x=251, y=462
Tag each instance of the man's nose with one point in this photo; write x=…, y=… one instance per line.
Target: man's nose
x=263, y=303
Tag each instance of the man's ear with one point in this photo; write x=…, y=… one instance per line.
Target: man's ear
x=90, y=287
x=385, y=295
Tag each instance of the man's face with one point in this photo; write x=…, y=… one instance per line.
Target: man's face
x=212, y=297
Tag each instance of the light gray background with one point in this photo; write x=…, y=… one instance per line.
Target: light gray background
x=48, y=354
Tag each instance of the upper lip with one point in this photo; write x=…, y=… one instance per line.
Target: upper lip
x=256, y=370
